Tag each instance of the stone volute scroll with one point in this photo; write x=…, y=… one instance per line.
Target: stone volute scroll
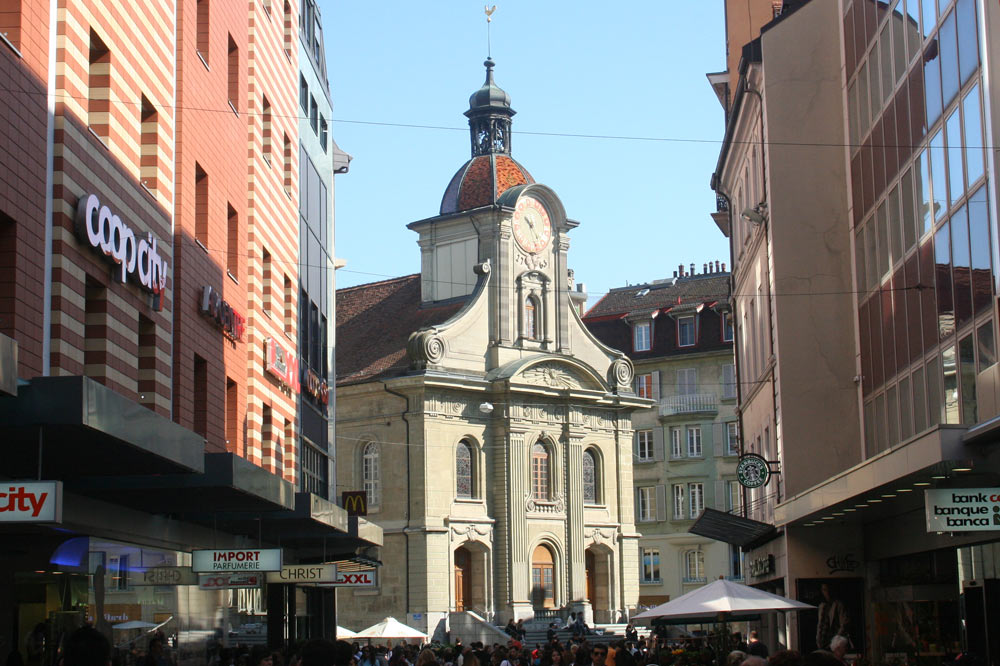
x=428, y=346
x=620, y=375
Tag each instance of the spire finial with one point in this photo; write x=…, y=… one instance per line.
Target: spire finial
x=489, y=19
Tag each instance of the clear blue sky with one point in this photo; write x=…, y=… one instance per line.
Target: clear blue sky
x=633, y=68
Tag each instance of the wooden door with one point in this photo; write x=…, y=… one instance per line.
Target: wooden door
x=463, y=578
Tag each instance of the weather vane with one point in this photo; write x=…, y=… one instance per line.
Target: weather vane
x=489, y=19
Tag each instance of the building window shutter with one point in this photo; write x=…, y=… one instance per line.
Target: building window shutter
x=635, y=445
x=635, y=510
x=658, y=444
x=717, y=439
x=720, y=495
x=661, y=503
x=656, y=385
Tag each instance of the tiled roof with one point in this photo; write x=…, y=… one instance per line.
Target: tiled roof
x=695, y=289
x=481, y=181
x=374, y=322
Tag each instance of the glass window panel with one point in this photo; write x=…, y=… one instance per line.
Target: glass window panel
x=874, y=84
x=973, y=144
x=986, y=345
x=932, y=83
x=939, y=185
x=913, y=28
x=895, y=226
x=882, y=227
x=898, y=23
x=919, y=401
x=849, y=58
x=905, y=423
x=852, y=109
x=956, y=184
x=589, y=477
x=885, y=47
x=979, y=234
x=911, y=229
x=929, y=17
x=960, y=270
x=942, y=274
x=870, y=445
x=870, y=250
x=949, y=375
x=935, y=404
x=864, y=114
x=948, y=44
x=859, y=259
x=967, y=375
x=968, y=37
x=463, y=470
x=892, y=416
x=881, y=436
x=923, y=189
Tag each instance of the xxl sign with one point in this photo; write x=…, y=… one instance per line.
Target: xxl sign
x=219, y=311
x=962, y=509
x=364, y=578
x=282, y=364
x=138, y=258
x=241, y=559
x=34, y=502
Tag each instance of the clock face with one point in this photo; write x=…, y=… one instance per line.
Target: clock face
x=532, y=229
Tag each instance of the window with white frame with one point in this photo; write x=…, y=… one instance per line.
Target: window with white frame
x=686, y=331
x=647, y=504
x=696, y=498
x=728, y=381
x=727, y=326
x=732, y=438
x=650, y=565
x=644, y=445
x=679, y=501
x=644, y=385
x=641, y=336
x=735, y=562
x=734, y=497
x=694, y=441
x=687, y=381
x=676, y=443
x=694, y=566
x=371, y=474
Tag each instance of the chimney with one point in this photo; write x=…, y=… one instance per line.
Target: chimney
x=704, y=269
x=680, y=269
x=692, y=269
x=723, y=267
x=675, y=273
x=716, y=265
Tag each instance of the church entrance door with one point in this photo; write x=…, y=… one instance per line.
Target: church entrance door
x=463, y=578
x=591, y=578
x=543, y=591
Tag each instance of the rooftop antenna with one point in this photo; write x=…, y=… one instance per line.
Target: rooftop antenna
x=489, y=19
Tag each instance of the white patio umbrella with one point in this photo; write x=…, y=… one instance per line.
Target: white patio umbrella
x=135, y=624
x=343, y=632
x=721, y=600
x=390, y=627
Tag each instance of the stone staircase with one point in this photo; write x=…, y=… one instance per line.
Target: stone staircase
x=601, y=633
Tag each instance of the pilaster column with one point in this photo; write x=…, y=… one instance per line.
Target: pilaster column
x=518, y=555
x=575, y=549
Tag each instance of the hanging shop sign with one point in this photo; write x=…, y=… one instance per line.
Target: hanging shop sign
x=235, y=560
x=166, y=576
x=962, y=509
x=98, y=226
x=219, y=311
x=31, y=502
x=355, y=502
x=753, y=471
x=230, y=581
x=761, y=566
x=282, y=364
x=304, y=573
x=364, y=578
x=315, y=387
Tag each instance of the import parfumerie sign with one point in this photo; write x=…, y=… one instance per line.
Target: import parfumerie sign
x=962, y=509
x=236, y=560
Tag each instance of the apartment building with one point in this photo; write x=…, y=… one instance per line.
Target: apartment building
x=678, y=332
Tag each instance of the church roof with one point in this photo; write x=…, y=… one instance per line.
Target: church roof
x=374, y=322
x=481, y=181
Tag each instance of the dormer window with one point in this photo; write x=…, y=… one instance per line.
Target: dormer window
x=727, y=326
x=642, y=336
x=686, y=336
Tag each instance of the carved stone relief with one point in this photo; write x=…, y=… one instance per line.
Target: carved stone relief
x=552, y=375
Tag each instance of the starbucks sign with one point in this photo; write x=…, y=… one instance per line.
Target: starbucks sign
x=752, y=471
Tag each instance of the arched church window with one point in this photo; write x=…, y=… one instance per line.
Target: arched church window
x=539, y=472
x=372, y=474
x=464, y=481
x=531, y=318
x=590, y=494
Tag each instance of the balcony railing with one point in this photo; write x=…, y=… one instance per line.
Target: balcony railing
x=693, y=403
x=694, y=581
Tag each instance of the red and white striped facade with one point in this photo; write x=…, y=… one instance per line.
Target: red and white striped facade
x=156, y=108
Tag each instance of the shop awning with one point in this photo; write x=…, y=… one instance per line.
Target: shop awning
x=730, y=528
x=69, y=427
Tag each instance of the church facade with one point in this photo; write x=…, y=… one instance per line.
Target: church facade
x=490, y=430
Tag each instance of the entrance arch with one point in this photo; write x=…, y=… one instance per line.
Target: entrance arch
x=543, y=584
x=463, y=578
x=598, y=560
x=470, y=567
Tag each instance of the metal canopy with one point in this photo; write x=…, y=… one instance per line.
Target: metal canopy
x=78, y=427
x=730, y=528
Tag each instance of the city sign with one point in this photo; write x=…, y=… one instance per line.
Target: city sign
x=31, y=502
x=752, y=471
x=107, y=233
x=282, y=364
x=761, y=566
x=167, y=576
x=315, y=386
x=219, y=311
x=355, y=502
x=236, y=560
x=962, y=509
x=229, y=581
x=304, y=573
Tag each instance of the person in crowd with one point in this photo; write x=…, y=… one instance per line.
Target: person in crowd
x=87, y=647
x=839, y=646
x=753, y=660
x=756, y=647
x=785, y=658
x=735, y=658
x=631, y=633
x=511, y=629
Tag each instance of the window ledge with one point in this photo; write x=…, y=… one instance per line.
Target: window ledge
x=267, y=159
x=233, y=107
x=201, y=245
x=150, y=192
x=657, y=581
x=232, y=277
x=203, y=61
x=98, y=137
x=469, y=500
x=594, y=505
x=10, y=44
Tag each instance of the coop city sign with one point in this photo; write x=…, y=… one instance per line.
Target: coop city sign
x=962, y=509
x=101, y=228
x=33, y=502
